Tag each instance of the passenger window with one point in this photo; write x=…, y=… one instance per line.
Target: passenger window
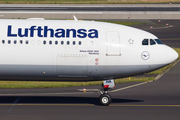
x=56, y=42
x=9, y=41
x=27, y=41
x=152, y=42
x=62, y=42
x=50, y=42
x=79, y=42
x=68, y=42
x=21, y=41
x=3, y=41
x=145, y=42
x=44, y=42
x=74, y=42
x=15, y=41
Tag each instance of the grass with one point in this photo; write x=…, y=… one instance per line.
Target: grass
x=85, y=1
x=36, y=84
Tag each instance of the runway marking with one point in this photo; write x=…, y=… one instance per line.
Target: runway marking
x=15, y=102
x=163, y=27
x=129, y=87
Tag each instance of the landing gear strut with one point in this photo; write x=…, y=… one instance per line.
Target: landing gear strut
x=105, y=98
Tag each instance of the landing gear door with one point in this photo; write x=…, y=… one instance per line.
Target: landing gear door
x=113, y=44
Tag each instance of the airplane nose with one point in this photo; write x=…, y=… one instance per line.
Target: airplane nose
x=172, y=55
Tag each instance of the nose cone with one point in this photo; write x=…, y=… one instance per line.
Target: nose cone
x=172, y=55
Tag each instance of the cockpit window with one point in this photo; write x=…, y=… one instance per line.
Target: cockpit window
x=145, y=42
x=158, y=41
x=152, y=42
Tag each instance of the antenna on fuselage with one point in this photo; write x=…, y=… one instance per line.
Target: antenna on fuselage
x=75, y=18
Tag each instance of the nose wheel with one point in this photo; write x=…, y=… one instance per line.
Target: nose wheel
x=105, y=99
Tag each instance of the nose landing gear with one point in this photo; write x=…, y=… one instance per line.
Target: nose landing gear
x=105, y=98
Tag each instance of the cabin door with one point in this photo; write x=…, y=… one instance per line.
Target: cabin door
x=113, y=43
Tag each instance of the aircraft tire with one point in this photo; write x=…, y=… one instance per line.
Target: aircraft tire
x=105, y=99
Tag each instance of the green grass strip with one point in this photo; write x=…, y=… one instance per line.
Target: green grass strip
x=37, y=84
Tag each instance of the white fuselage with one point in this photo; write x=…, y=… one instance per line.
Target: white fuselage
x=77, y=50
